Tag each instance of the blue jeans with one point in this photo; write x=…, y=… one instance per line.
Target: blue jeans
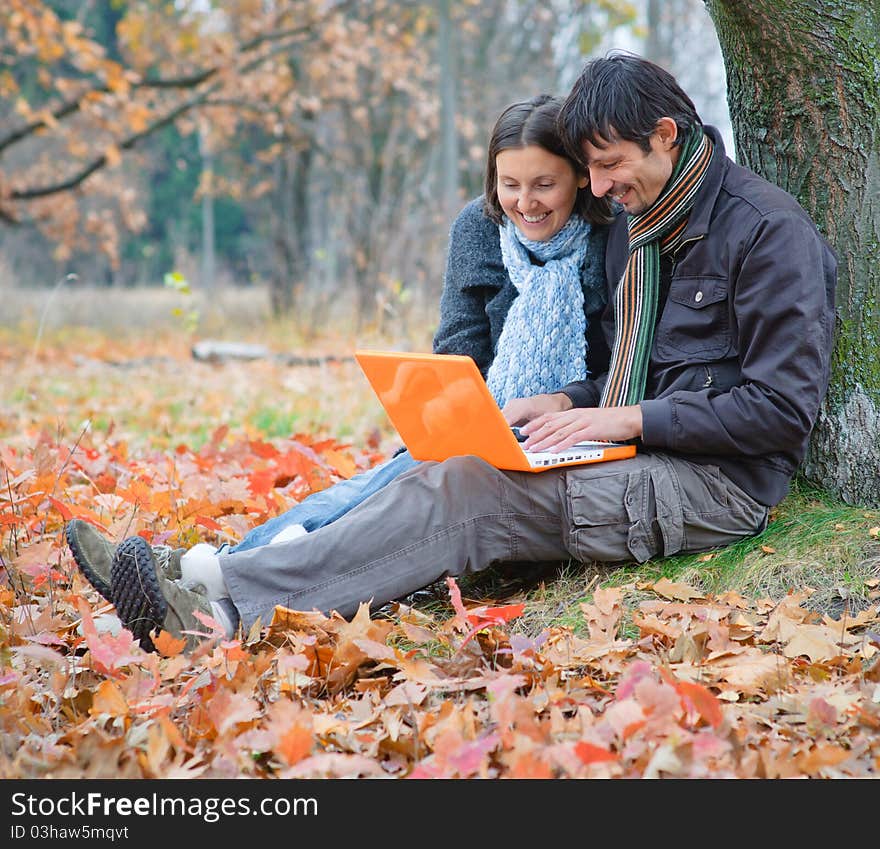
x=322, y=508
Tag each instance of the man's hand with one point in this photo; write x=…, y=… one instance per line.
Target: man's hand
x=554, y=431
x=517, y=411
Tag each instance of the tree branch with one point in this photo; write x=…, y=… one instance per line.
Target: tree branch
x=291, y=35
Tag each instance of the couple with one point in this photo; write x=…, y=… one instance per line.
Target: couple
x=708, y=341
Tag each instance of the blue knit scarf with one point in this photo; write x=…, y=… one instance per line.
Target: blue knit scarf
x=542, y=345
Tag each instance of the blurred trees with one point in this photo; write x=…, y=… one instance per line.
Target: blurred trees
x=322, y=120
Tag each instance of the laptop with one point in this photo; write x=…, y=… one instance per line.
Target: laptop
x=441, y=408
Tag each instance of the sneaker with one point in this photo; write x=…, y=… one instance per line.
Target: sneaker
x=146, y=599
x=93, y=554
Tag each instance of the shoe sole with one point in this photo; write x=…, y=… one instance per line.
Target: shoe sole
x=82, y=563
x=139, y=601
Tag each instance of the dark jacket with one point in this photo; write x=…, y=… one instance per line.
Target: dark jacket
x=477, y=292
x=741, y=354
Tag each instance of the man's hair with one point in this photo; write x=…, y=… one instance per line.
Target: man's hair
x=621, y=97
x=534, y=122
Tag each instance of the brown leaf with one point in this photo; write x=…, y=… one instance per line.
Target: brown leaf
x=825, y=754
x=679, y=592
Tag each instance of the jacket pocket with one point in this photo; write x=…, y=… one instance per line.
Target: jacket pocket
x=695, y=320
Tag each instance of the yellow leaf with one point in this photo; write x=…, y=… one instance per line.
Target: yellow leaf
x=874, y=532
x=768, y=549
x=113, y=156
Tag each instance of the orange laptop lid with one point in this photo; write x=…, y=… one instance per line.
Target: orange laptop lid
x=441, y=407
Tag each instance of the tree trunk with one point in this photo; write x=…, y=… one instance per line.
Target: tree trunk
x=803, y=81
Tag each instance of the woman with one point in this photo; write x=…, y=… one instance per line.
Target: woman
x=537, y=230
x=523, y=291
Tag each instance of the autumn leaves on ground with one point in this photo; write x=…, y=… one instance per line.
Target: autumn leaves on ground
x=652, y=677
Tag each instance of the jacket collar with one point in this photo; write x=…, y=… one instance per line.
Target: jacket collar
x=701, y=214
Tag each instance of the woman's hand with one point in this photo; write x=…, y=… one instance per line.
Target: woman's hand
x=520, y=410
x=555, y=431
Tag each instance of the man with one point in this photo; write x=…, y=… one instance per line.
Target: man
x=720, y=324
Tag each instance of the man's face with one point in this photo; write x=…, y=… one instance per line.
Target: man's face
x=624, y=172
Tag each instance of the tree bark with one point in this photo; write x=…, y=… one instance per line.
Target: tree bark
x=803, y=81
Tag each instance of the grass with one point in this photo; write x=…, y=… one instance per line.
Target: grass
x=812, y=542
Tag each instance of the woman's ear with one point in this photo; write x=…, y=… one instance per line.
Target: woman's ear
x=583, y=181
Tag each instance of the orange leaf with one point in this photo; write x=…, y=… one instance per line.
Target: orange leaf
x=702, y=700
x=167, y=645
x=295, y=745
x=591, y=754
x=261, y=482
x=109, y=699
x=342, y=462
x=11, y=519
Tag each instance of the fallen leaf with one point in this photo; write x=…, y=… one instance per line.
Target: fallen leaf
x=109, y=700
x=167, y=645
x=591, y=754
x=679, y=592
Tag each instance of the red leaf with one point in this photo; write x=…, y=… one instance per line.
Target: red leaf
x=502, y=614
x=209, y=523
x=61, y=508
x=263, y=449
x=261, y=482
x=591, y=754
x=11, y=519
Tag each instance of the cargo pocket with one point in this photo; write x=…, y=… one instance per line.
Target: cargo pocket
x=611, y=518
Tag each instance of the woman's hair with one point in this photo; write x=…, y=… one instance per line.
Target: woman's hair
x=623, y=96
x=533, y=122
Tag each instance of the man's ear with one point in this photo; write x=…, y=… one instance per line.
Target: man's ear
x=667, y=132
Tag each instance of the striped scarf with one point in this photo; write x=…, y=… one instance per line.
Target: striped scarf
x=658, y=230
x=542, y=345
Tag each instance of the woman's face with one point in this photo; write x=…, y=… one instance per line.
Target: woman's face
x=536, y=190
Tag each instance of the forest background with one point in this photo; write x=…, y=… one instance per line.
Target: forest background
x=312, y=154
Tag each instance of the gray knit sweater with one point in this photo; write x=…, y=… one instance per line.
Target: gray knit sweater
x=477, y=293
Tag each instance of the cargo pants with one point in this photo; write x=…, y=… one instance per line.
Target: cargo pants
x=463, y=515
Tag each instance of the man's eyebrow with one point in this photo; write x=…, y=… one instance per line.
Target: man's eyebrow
x=600, y=156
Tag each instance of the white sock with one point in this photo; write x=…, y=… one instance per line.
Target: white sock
x=226, y=615
x=290, y=532
x=200, y=565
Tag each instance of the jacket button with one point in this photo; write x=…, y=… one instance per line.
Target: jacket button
x=698, y=297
